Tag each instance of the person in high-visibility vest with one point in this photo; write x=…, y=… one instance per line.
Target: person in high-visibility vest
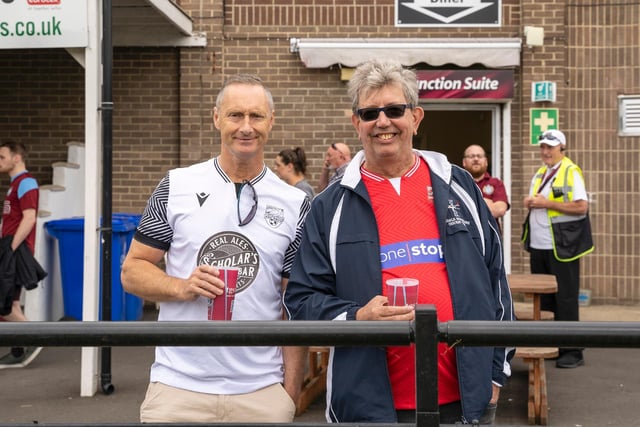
x=557, y=232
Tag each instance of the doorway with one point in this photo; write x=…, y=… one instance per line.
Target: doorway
x=450, y=128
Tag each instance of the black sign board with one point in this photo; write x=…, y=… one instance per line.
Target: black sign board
x=448, y=13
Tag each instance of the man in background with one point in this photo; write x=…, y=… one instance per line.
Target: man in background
x=476, y=163
x=335, y=163
x=19, y=212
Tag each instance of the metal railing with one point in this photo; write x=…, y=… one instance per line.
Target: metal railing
x=425, y=332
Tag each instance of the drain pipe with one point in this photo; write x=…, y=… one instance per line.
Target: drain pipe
x=107, y=161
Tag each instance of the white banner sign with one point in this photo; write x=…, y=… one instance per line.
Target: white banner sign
x=43, y=23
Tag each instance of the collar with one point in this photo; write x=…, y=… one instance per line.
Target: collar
x=18, y=174
x=437, y=162
x=226, y=178
x=407, y=174
x=483, y=177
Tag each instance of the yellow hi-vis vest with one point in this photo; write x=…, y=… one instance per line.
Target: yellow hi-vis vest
x=571, y=234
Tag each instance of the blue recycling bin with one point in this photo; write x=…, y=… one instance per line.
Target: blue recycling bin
x=70, y=235
x=133, y=304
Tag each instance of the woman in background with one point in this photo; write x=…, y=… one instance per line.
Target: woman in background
x=291, y=166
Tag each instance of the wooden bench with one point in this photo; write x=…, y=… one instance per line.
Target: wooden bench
x=524, y=311
x=534, y=285
x=315, y=379
x=537, y=405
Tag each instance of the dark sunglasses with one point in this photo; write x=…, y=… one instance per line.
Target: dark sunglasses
x=254, y=207
x=391, y=111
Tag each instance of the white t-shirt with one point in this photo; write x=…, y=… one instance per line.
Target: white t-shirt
x=193, y=215
x=539, y=228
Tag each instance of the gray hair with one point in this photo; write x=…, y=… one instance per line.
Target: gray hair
x=376, y=74
x=246, y=79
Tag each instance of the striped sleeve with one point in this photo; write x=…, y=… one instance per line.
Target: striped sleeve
x=295, y=244
x=154, y=229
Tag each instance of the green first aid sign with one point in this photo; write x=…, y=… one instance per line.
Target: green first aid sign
x=541, y=120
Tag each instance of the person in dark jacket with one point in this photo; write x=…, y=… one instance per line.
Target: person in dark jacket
x=19, y=269
x=18, y=220
x=401, y=213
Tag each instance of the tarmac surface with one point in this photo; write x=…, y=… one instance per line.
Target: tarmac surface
x=603, y=392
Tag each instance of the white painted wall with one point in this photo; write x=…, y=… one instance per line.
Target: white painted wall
x=63, y=198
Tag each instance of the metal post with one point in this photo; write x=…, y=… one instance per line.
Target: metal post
x=107, y=166
x=426, y=339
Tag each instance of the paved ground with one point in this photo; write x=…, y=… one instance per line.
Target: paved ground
x=604, y=392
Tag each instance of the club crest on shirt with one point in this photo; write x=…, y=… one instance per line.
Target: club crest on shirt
x=229, y=249
x=454, y=208
x=453, y=217
x=488, y=189
x=274, y=216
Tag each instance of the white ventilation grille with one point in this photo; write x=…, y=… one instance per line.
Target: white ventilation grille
x=629, y=115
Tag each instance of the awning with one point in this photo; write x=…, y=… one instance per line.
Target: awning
x=490, y=52
x=152, y=23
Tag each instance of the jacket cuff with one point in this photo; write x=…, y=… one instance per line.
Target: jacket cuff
x=351, y=313
x=499, y=379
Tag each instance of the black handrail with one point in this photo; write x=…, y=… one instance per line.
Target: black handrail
x=205, y=333
x=324, y=333
x=425, y=332
x=542, y=334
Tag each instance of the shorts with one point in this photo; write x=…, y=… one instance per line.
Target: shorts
x=167, y=404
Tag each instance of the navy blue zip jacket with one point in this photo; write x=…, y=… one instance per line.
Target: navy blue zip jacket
x=337, y=271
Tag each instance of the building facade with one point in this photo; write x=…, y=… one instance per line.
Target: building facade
x=493, y=72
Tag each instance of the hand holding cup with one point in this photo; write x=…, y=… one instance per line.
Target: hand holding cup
x=402, y=291
x=221, y=307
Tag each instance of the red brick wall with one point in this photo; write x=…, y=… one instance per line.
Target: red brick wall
x=41, y=105
x=146, y=122
x=201, y=72
x=164, y=96
x=603, y=63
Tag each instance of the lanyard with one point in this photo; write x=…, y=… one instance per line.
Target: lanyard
x=548, y=178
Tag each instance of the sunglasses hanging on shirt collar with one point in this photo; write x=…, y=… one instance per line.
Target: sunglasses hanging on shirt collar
x=247, y=203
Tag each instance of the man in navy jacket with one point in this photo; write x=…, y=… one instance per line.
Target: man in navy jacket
x=343, y=261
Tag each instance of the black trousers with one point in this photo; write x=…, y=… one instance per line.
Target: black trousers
x=564, y=303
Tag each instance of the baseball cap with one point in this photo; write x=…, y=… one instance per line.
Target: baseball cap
x=552, y=137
